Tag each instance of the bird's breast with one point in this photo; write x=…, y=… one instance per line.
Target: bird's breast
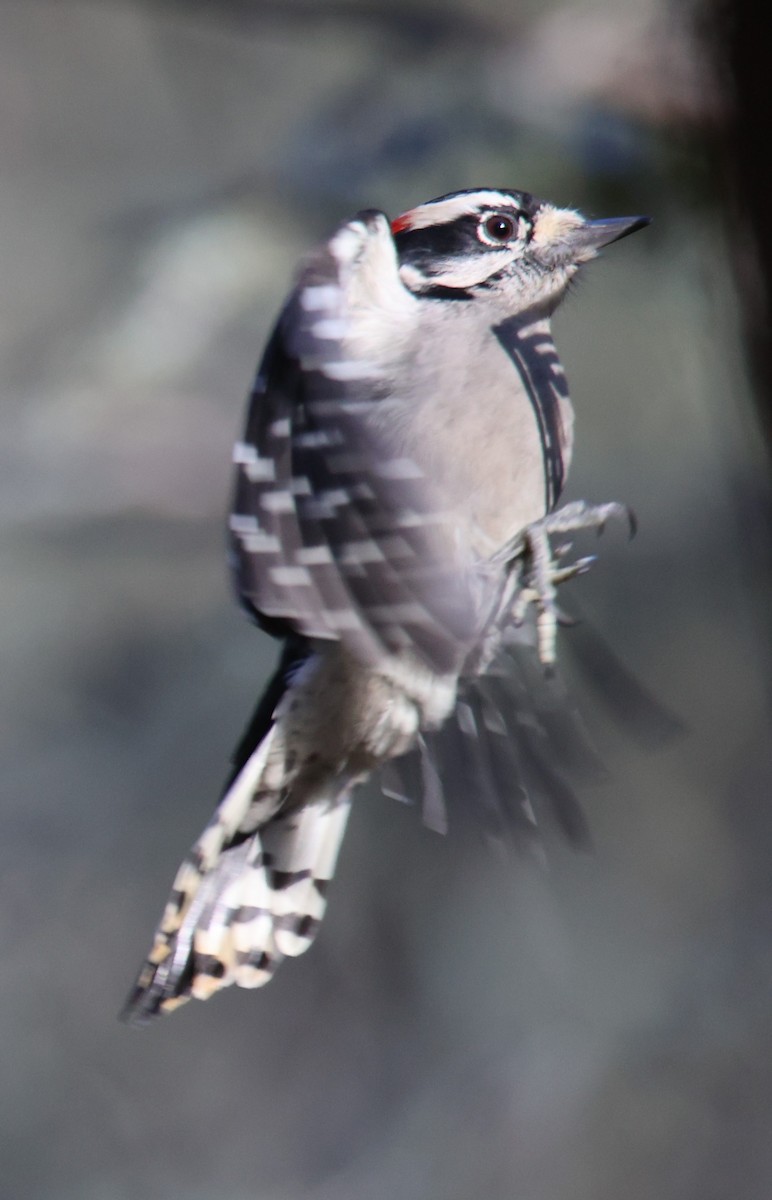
x=489, y=420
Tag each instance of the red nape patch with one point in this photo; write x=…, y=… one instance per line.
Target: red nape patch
x=400, y=224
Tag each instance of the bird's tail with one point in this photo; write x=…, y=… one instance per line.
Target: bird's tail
x=251, y=891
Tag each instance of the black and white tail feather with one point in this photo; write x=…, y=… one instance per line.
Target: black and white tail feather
x=383, y=514
x=253, y=888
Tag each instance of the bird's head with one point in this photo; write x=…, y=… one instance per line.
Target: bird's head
x=491, y=242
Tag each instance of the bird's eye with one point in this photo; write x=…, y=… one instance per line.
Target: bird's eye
x=498, y=228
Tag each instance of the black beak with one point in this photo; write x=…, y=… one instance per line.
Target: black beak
x=591, y=237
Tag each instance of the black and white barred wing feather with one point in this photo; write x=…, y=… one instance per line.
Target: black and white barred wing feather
x=335, y=531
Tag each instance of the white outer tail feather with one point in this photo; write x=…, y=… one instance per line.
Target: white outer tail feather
x=236, y=910
x=305, y=842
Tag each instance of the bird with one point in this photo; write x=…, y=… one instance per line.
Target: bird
x=396, y=490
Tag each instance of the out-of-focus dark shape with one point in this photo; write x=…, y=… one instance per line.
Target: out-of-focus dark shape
x=631, y=61
x=741, y=53
x=625, y=698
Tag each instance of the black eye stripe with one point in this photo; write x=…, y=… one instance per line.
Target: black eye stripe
x=432, y=250
x=437, y=241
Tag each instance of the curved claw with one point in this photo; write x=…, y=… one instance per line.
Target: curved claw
x=565, y=620
x=580, y=567
x=622, y=511
x=583, y=565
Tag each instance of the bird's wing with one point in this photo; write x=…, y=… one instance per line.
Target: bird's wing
x=336, y=532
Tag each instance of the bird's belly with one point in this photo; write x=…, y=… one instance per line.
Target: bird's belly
x=505, y=489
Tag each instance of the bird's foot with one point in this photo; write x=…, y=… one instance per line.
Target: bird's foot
x=539, y=572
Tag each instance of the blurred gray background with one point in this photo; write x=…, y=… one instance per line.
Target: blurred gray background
x=463, y=1026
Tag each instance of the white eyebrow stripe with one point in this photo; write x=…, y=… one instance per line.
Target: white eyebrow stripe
x=441, y=212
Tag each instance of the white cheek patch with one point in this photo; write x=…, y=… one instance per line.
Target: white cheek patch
x=461, y=272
